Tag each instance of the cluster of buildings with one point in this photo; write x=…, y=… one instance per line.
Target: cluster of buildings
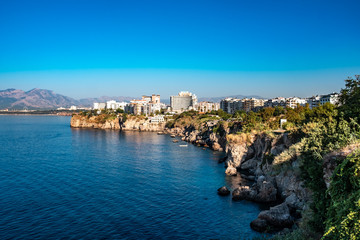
x=72, y=108
x=149, y=105
x=146, y=105
x=185, y=101
x=231, y=105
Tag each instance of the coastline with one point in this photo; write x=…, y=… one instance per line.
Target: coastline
x=280, y=188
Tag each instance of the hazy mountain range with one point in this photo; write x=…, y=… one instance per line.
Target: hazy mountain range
x=47, y=99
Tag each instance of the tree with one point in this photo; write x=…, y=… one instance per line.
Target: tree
x=350, y=98
x=119, y=110
x=279, y=110
x=267, y=113
x=240, y=115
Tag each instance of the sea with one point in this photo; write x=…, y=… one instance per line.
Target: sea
x=57, y=182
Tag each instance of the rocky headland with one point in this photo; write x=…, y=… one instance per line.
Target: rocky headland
x=260, y=158
x=129, y=123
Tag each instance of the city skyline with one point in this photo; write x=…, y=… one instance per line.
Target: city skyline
x=87, y=49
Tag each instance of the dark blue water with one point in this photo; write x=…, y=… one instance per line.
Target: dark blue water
x=57, y=182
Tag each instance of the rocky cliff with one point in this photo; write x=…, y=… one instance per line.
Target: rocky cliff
x=132, y=123
x=270, y=161
x=203, y=135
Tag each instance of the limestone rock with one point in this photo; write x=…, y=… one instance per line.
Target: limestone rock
x=276, y=218
x=236, y=154
x=216, y=147
x=243, y=193
x=231, y=171
x=259, y=225
x=223, y=191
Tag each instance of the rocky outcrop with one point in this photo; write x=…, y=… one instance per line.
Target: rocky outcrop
x=253, y=157
x=231, y=171
x=133, y=123
x=141, y=124
x=263, y=191
x=237, y=154
x=223, y=191
x=243, y=193
x=202, y=136
x=274, y=219
x=78, y=121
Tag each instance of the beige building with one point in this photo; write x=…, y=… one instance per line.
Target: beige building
x=207, y=106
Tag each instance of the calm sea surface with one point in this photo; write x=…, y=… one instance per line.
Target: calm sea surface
x=63, y=183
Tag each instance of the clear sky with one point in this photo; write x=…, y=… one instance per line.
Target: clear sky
x=84, y=48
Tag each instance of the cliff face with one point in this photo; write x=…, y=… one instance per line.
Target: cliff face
x=132, y=123
x=78, y=121
x=270, y=161
x=205, y=136
x=136, y=124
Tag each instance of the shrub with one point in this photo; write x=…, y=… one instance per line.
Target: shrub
x=343, y=215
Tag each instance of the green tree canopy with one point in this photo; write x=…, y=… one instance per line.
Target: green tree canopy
x=350, y=98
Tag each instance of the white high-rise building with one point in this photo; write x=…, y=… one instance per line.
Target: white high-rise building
x=183, y=101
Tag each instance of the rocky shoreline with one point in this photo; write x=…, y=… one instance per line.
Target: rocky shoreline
x=255, y=157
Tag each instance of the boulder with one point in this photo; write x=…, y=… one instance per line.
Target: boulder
x=231, y=171
x=277, y=217
x=223, y=191
x=259, y=225
x=243, y=193
x=216, y=146
x=193, y=136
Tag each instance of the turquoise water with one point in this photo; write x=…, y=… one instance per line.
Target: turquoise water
x=58, y=182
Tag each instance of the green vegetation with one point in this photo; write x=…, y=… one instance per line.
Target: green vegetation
x=350, y=98
x=343, y=215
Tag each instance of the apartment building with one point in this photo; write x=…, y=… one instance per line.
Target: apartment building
x=205, y=106
x=183, y=101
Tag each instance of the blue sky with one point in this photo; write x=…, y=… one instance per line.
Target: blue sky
x=84, y=48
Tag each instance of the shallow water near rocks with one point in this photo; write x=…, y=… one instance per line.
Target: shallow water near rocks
x=58, y=182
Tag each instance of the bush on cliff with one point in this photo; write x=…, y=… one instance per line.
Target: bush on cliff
x=328, y=135
x=343, y=215
x=328, y=130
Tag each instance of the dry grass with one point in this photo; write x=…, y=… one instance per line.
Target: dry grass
x=289, y=155
x=240, y=138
